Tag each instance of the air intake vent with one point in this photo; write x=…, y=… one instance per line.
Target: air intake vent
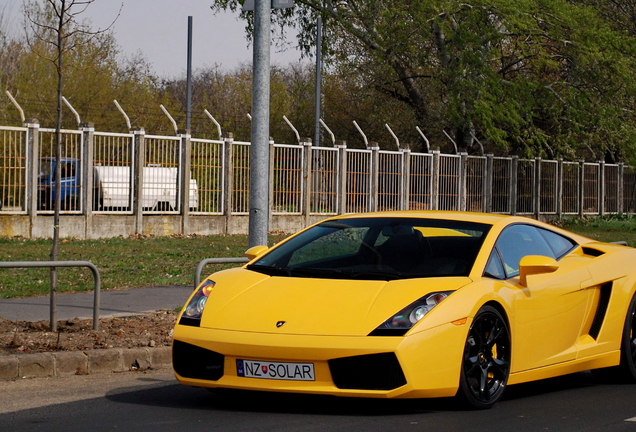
x=191, y=361
x=592, y=252
x=367, y=372
x=601, y=310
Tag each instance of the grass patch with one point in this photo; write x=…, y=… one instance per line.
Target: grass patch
x=607, y=228
x=122, y=262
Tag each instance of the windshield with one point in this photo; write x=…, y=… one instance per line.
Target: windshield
x=378, y=248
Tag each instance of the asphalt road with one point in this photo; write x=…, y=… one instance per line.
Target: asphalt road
x=113, y=303
x=153, y=401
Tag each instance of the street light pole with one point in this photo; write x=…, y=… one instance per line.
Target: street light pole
x=318, y=96
x=259, y=149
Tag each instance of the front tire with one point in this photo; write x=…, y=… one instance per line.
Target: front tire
x=486, y=360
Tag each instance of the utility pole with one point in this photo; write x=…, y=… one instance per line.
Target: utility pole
x=259, y=148
x=189, y=78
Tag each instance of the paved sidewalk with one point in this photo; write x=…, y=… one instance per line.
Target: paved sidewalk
x=113, y=303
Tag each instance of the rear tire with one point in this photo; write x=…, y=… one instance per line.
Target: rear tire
x=625, y=372
x=486, y=360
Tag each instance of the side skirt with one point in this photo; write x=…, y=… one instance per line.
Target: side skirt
x=595, y=362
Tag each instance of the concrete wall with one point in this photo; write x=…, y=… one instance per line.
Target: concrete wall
x=105, y=226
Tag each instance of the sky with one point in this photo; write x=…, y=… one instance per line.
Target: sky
x=159, y=30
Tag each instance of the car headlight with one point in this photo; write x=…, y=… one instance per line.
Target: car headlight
x=402, y=321
x=194, y=309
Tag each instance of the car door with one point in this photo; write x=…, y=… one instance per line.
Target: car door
x=548, y=313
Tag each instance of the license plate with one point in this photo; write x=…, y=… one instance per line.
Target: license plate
x=275, y=370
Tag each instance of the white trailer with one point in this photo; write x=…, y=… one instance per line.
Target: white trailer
x=159, y=193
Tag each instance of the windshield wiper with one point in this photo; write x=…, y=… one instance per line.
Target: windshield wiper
x=269, y=270
x=345, y=274
x=384, y=275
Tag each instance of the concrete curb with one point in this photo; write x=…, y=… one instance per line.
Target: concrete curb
x=64, y=363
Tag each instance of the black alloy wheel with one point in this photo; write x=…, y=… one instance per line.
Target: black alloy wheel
x=486, y=361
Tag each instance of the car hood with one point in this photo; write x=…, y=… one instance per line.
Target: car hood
x=244, y=300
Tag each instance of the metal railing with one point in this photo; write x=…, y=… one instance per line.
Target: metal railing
x=54, y=264
x=203, y=263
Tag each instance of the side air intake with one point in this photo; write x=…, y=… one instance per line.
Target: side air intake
x=601, y=310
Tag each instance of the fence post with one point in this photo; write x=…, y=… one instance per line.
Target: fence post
x=88, y=135
x=559, y=191
x=581, y=191
x=184, y=187
x=406, y=178
x=307, y=187
x=620, y=191
x=342, y=177
x=33, y=168
x=272, y=179
x=537, y=188
x=601, y=188
x=487, y=205
x=228, y=181
x=138, y=182
x=375, y=176
x=512, y=196
x=463, y=178
x=435, y=181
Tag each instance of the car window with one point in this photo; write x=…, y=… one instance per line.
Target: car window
x=560, y=245
x=494, y=268
x=339, y=243
x=518, y=241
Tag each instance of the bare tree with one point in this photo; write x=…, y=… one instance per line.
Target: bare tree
x=54, y=27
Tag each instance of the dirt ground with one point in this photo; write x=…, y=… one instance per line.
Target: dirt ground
x=149, y=330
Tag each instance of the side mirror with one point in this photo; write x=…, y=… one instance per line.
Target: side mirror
x=535, y=264
x=255, y=251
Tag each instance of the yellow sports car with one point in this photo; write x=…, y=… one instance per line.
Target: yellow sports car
x=413, y=305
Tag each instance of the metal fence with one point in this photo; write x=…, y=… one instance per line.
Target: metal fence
x=113, y=179
x=13, y=169
x=286, y=179
x=135, y=173
x=206, y=165
x=71, y=156
x=324, y=181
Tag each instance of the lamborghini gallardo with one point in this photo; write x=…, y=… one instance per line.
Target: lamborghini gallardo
x=413, y=305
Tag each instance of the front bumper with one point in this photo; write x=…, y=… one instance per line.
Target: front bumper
x=428, y=362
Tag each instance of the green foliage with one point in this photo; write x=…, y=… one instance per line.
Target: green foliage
x=530, y=77
x=533, y=77
x=95, y=73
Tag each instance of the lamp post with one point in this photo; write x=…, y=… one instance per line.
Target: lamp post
x=259, y=148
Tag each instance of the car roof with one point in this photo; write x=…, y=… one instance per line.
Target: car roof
x=494, y=219
x=487, y=218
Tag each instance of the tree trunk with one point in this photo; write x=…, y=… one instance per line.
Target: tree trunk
x=58, y=179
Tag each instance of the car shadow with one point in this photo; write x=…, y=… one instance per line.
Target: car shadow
x=183, y=397
x=550, y=385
